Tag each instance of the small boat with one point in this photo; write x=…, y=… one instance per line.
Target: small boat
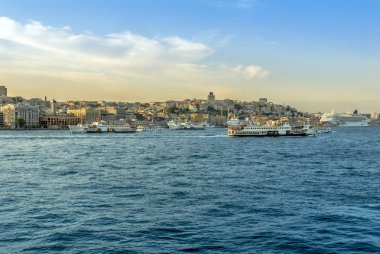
x=96, y=127
x=174, y=125
x=200, y=126
x=149, y=128
x=121, y=128
x=185, y=125
x=323, y=130
x=79, y=128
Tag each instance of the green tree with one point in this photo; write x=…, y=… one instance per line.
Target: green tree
x=172, y=110
x=20, y=123
x=238, y=106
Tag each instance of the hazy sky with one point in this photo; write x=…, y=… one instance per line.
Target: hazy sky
x=316, y=55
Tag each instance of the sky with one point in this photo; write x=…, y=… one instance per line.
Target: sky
x=315, y=55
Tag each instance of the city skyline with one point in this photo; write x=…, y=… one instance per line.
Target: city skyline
x=314, y=55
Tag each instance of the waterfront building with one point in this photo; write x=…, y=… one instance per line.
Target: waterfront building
x=374, y=115
x=1, y=119
x=20, y=116
x=109, y=118
x=9, y=115
x=211, y=96
x=58, y=121
x=86, y=115
x=3, y=91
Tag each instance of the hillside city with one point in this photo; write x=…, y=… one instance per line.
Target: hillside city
x=20, y=113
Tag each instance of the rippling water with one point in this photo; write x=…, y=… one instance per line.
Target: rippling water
x=190, y=191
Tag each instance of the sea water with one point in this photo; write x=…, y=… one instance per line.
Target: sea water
x=189, y=191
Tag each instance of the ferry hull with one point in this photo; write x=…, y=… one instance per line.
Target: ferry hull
x=354, y=124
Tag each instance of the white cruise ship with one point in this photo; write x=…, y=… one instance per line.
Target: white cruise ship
x=345, y=119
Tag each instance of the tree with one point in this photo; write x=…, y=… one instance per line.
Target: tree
x=238, y=106
x=172, y=110
x=20, y=123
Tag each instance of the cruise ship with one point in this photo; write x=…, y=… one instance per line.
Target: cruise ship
x=345, y=119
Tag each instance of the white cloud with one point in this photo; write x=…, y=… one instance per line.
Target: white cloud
x=37, y=49
x=124, y=47
x=252, y=71
x=186, y=50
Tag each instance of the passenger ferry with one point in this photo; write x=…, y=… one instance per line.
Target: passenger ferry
x=96, y=127
x=121, y=128
x=255, y=129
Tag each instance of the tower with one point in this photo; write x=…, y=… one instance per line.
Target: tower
x=53, y=106
x=3, y=91
x=211, y=96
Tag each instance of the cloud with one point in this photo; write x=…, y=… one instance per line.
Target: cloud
x=117, y=58
x=190, y=51
x=118, y=48
x=252, y=71
x=246, y=3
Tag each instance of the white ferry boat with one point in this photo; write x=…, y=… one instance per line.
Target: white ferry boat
x=255, y=129
x=345, y=119
x=148, y=128
x=323, y=130
x=79, y=128
x=185, y=125
x=174, y=125
x=199, y=126
x=121, y=128
x=96, y=127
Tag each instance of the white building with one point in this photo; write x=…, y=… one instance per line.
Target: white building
x=16, y=116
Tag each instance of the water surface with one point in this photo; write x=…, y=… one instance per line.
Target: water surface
x=189, y=191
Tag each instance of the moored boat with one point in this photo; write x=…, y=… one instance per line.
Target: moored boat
x=174, y=125
x=121, y=129
x=197, y=126
x=148, y=128
x=184, y=125
x=96, y=127
x=323, y=130
x=79, y=128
